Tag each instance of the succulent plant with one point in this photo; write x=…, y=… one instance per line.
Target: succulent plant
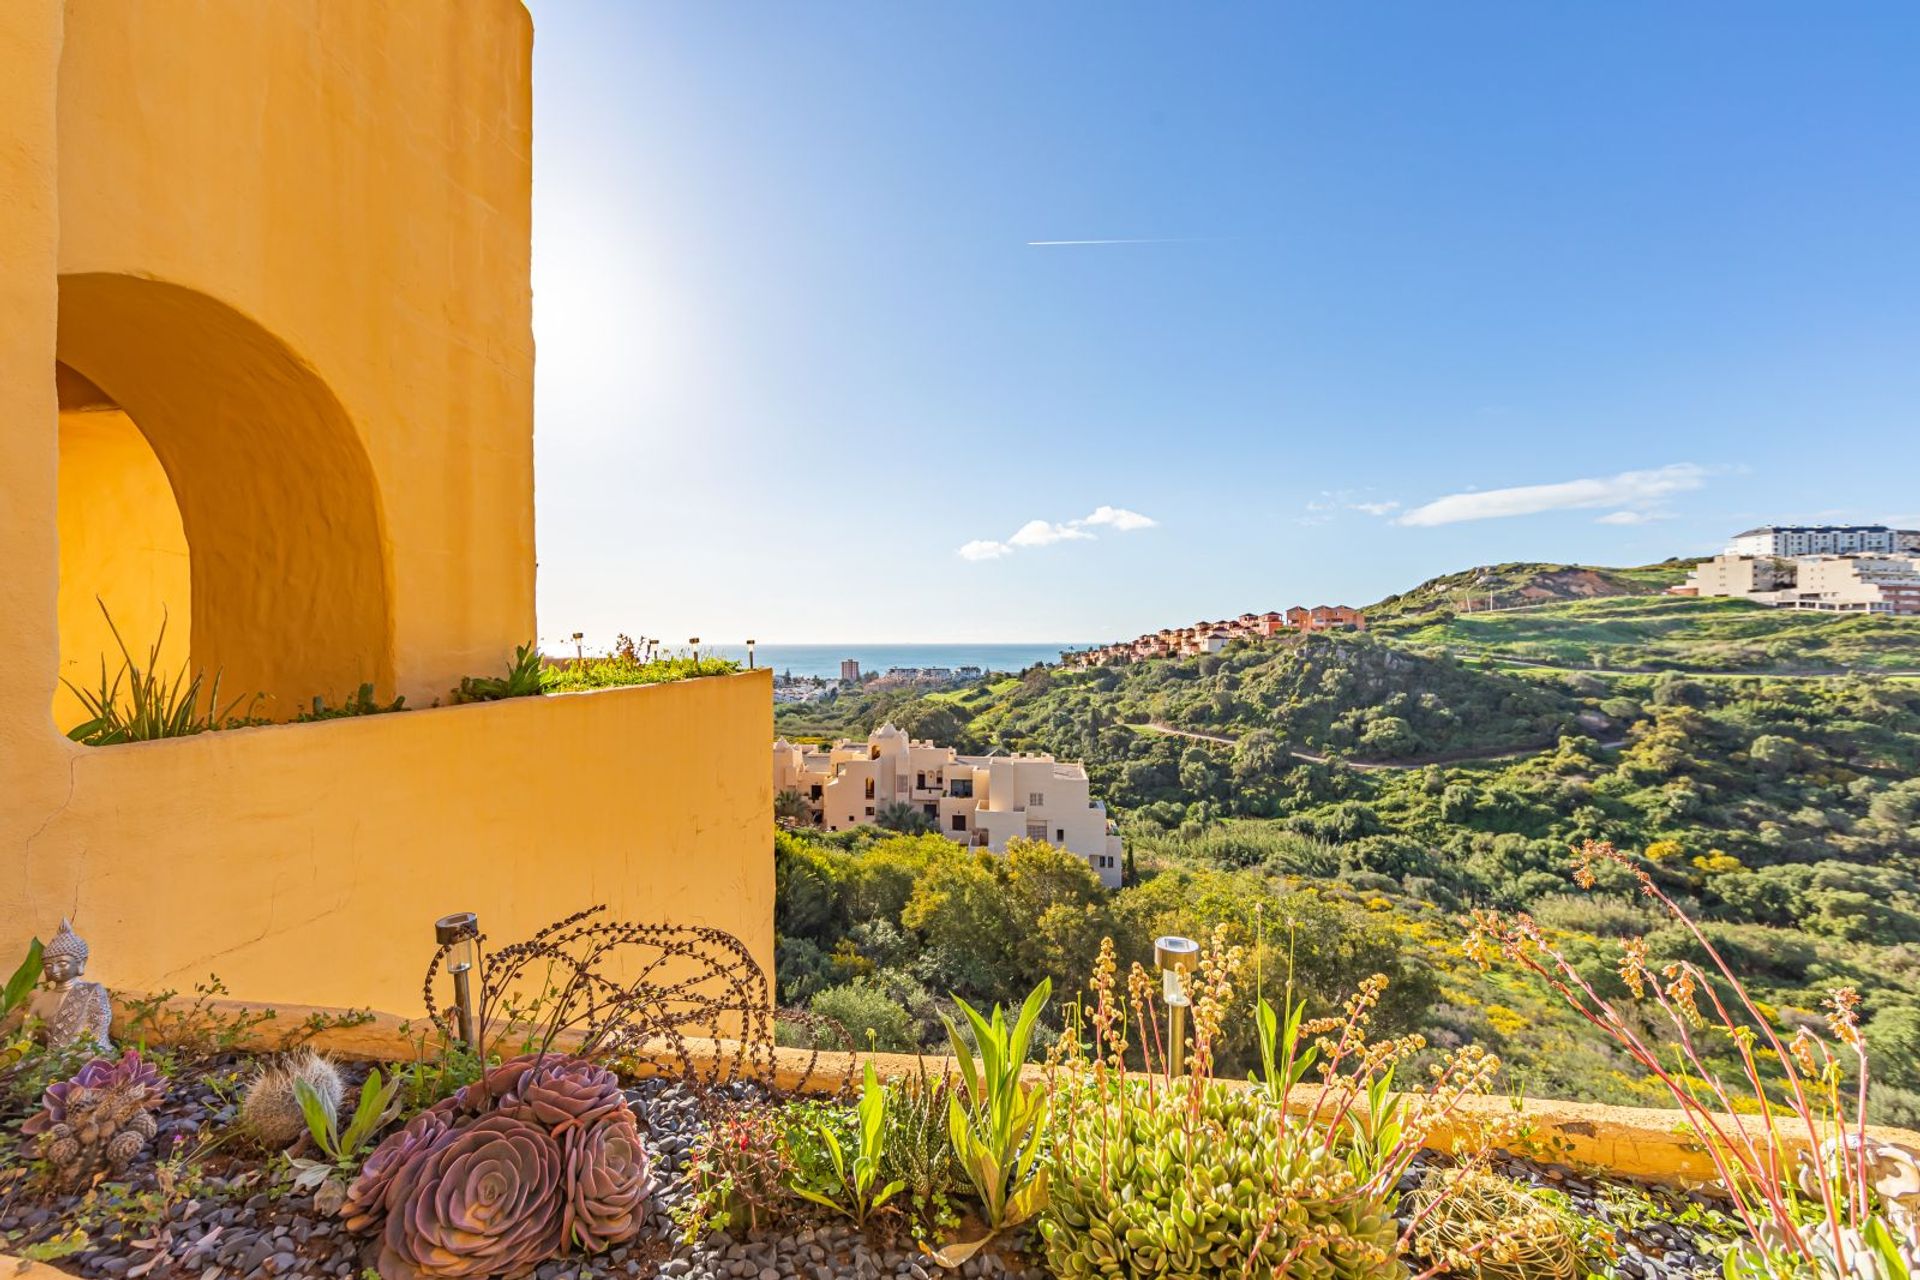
x=270, y=1111
x=99, y=1120
x=539, y=1153
x=483, y=1199
x=365, y=1207
x=1476, y=1223
x=563, y=1093
x=608, y=1182
x=1167, y=1182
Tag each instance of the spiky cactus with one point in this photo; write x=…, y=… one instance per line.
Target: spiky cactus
x=270, y=1111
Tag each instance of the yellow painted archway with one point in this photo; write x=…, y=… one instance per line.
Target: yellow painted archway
x=277, y=503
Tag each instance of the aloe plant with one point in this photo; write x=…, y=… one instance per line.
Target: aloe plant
x=997, y=1132
x=137, y=703
x=526, y=677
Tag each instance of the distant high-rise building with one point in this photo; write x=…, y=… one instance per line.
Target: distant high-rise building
x=850, y=670
x=1822, y=540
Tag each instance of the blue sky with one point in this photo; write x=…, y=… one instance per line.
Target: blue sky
x=1656, y=267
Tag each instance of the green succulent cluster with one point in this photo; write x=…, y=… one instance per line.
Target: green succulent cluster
x=1158, y=1183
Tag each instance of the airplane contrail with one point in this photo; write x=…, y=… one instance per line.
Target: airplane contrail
x=1046, y=244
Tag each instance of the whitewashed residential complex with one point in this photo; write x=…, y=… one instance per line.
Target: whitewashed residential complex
x=1823, y=540
x=1825, y=568
x=979, y=801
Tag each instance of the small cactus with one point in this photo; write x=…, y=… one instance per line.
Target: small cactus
x=270, y=1111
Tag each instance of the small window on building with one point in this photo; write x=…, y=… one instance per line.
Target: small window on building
x=816, y=791
x=959, y=822
x=869, y=791
x=1060, y=835
x=1036, y=799
x=869, y=811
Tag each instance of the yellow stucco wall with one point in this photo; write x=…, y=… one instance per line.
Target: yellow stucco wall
x=309, y=861
x=291, y=242
x=121, y=545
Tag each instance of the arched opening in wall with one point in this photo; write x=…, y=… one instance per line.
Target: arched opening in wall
x=123, y=552
x=205, y=469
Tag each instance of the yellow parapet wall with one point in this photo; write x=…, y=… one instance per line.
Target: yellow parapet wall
x=1630, y=1142
x=308, y=862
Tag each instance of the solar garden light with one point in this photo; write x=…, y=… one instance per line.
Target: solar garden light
x=579, y=650
x=749, y=653
x=462, y=931
x=695, y=642
x=1175, y=958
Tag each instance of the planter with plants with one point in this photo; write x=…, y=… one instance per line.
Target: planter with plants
x=628, y=1153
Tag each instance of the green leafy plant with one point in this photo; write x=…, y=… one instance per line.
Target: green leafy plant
x=19, y=988
x=341, y=1149
x=524, y=679
x=136, y=703
x=997, y=1131
x=855, y=1188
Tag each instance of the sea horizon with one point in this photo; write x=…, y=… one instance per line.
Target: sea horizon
x=824, y=659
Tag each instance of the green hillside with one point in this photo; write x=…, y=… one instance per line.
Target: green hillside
x=1761, y=763
x=1677, y=633
x=1520, y=583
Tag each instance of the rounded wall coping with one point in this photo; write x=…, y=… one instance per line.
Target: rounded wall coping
x=407, y=714
x=1652, y=1144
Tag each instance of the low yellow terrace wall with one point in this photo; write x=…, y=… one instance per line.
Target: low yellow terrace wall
x=1632, y=1142
x=307, y=863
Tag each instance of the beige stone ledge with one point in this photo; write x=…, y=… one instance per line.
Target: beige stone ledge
x=1629, y=1141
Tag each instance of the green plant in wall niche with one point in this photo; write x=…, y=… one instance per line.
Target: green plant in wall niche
x=525, y=677
x=136, y=703
x=362, y=703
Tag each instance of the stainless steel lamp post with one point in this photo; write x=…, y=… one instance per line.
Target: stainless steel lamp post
x=1176, y=957
x=462, y=930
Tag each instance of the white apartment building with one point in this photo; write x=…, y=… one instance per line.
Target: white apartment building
x=1882, y=584
x=1822, y=540
x=1856, y=584
x=1731, y=575
x=979, y=801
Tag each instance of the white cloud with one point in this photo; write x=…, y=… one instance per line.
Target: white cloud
x=1322, y=509
x=1633, y=491
x=1044, y=533
x=1632, y=517
x=1122, y=520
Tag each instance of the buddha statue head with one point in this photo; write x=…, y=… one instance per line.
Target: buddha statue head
x=65, y=958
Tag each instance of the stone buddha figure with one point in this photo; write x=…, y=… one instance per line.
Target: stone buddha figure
x=78, y=1014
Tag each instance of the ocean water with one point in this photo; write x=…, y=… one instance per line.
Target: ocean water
x=824, y=659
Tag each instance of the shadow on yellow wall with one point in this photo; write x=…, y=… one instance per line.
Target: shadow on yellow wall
x=275, y=498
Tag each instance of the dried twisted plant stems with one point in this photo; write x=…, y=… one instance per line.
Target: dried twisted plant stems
x=624, y=989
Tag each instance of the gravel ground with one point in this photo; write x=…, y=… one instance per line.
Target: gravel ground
x=230, y=1226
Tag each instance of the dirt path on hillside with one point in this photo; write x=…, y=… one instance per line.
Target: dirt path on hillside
x=1368, y=766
